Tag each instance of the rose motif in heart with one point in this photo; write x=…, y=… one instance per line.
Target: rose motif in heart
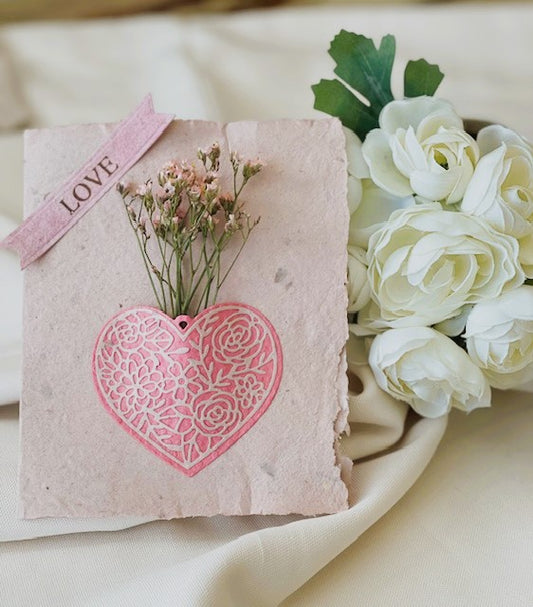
x=188, y=389
x=216, y=414
x=237, y=340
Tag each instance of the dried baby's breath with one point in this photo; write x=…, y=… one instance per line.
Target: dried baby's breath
x=192, y=221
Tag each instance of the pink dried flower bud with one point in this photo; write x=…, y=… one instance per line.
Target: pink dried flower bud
x=123, y=188
x=169, y=167
x=156, y=220
x=144, y=188
x=159, y=194
x=211, y=192
x=181, y=213
x=169, y=188
x=186, y=178
x=210, y=176
x=231, y=224
x=142, y=225
x=195, y=192
x=251, y=168
x=235, y=158
x=202, y=154
x=226, y=201
x=214, y=155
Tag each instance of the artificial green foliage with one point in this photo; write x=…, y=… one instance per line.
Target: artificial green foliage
x=367, y=71
x=363, y=67
x=333, y=98
x=365, y=89
x=421, y=78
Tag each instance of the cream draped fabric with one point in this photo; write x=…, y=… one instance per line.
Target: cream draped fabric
x=463, y=534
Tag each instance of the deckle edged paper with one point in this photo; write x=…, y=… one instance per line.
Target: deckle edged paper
x=76, y=461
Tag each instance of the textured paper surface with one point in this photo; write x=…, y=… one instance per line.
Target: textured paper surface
x=76, y=460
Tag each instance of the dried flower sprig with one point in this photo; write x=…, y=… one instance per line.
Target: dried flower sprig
x=193, y=221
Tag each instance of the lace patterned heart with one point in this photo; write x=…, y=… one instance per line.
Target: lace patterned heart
x=188, y=388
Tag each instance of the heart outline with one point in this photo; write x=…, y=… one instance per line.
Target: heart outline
x=183, y=335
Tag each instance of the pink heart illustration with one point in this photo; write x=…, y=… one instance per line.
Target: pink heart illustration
x=188, y=388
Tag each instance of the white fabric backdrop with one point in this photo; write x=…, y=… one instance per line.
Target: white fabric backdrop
x=463, y=535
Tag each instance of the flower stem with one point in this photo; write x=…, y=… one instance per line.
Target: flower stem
x=144, y=256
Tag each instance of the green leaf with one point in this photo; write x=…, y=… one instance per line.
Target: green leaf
x=333, y=98
x=366, y=69
x=421, y=78
x=366, y=72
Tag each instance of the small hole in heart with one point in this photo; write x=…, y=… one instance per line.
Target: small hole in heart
x=183, y=324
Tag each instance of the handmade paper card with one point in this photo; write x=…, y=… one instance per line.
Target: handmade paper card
x=147, y=393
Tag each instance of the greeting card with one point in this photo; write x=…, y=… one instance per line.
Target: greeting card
x=184, y=333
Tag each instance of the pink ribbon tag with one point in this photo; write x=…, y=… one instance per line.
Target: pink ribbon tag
x=67, y=205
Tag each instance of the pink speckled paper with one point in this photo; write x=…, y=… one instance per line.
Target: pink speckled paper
x=76, y=460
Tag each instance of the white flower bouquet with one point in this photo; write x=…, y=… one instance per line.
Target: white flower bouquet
x=441, y=235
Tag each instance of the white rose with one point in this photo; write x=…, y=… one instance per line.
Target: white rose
x=375, y=208
x=501, y=189
x=499, y=338
x=421, y=148
x=355, y=192
x=357, y=169
x=358, y=287
x=453, y=327
x=426, y=263
x=427, y=370
x=356, y=163
x=525, y=255
x=491, y=137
